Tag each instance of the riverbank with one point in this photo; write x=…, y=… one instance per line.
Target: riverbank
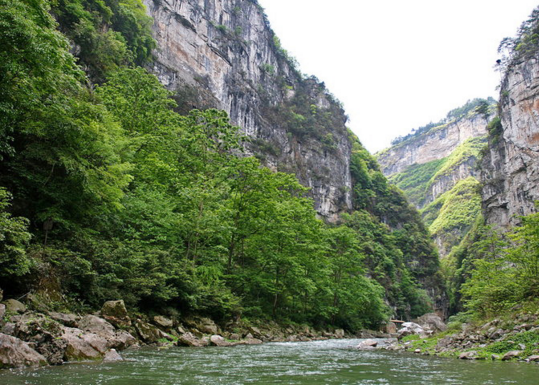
x=512, y=337
x=37, y=338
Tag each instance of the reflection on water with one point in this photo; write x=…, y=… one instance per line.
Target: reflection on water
x=317, y=362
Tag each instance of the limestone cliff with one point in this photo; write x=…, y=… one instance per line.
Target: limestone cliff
x=224, y=54
x=433, y=144
x=437, y=169
x=510, y=170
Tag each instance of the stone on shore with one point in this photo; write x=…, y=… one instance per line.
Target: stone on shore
x=67, y=319
x=163, y=322
x=511, y=355
x=112, y=356
x=219, y=341
x=117, y=339
x=367, y=344
x=14, y=306
x=15, y=353
x=115, y=312
x=147, y=332
x=83, y=346
x=189, y=340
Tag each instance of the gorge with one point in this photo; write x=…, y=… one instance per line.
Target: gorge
x=169, y=157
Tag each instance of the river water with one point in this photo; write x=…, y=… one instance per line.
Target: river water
x=317, y=362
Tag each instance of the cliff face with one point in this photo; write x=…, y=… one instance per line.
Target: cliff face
x=510, y=170
x=435, y=144
x=437, y=169
x=223, y=54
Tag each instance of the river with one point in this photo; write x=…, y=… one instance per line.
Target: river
x=317, y=362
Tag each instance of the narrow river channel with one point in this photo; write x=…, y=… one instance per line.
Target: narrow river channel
x=319, y=362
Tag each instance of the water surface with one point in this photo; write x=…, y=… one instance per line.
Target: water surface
x=317, y=362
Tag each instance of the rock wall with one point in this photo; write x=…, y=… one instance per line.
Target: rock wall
x=435, y=144
x=223, y=54
x=510, y=171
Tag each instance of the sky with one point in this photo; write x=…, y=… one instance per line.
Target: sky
x=398, y=64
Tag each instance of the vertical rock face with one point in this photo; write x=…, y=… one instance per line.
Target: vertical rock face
x=511, y=168
x=435, y=144
x=223, y=54
x=436, y=168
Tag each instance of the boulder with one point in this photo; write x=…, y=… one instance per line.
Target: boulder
x=511, y=355
x=147, y=332
x=2, y=312
x=163, y=322
x=534, y=358
x=116, y=313
x=255, y=332
x=251, y=342
x=219, y=341
x=470, y=355
x=368, y=344
x=83, y=345
x=410, y=328
x=67, y=319
x=432, y=322
x=9, y=329
x=14, y=306
x=235, y=337
x=390, y=328
x=339, y=333
x=112, y=356
x=44, y=334
x=189, y=340
x=117, y=339
x=15, y=353
x=208, y=326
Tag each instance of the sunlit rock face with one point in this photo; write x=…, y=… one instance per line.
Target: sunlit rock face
x=223, y=54
x=511, y=168
x=435, y=144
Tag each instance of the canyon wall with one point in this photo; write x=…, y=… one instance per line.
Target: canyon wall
x=510, y=170
x=223, y=54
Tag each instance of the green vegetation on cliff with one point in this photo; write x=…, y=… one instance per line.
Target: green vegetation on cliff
x=107, y=192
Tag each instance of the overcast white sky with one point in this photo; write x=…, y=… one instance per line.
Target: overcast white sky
x=398, y=64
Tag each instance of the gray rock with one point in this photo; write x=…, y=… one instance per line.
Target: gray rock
x=163, y=322
x=471, y=355
x=219, y=341
x=251, y=342
x=189, y=340
x=339, y=333
x=432, y=322
x=67, y=319
x=534, y=358
x=2, y=312
x=410, y=328
x=235, y=337
x=44, y=335
x=83, y=345
x=511, y=355
x=9, y=329
x=367, y=344
x=15, y=353
x=14, y=306
x=115, y=312
x=147, y=332
x=117, y=339
x=112, y=356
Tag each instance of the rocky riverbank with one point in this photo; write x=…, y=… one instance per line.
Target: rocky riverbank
x=514, y=338
x=31, y=338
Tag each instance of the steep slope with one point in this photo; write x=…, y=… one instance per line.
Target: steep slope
x=436, y=168
x=223, y=54
x=510, y=169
